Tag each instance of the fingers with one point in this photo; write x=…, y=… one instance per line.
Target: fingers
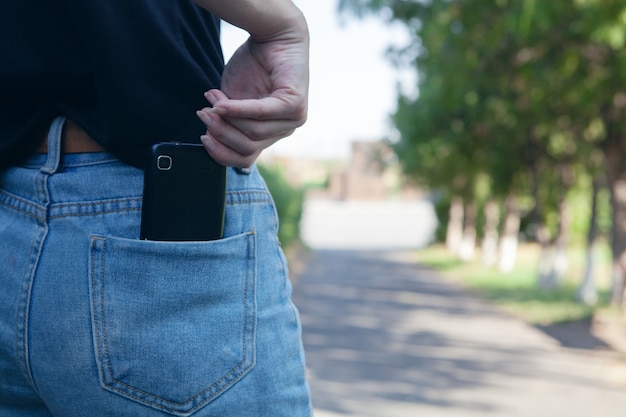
x=227, y=156
x=269, y=116
x=239, y=130
x=228, y=145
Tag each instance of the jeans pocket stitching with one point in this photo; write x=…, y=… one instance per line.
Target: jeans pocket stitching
x=98, y=249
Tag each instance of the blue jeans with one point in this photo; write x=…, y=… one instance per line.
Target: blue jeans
x=95, y=322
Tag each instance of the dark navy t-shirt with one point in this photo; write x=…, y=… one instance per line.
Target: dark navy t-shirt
x=130, y=72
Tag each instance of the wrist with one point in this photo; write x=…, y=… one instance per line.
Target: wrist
x=264, y=20
x=291, y=26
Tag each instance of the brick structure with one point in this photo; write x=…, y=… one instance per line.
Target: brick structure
x=372, y=173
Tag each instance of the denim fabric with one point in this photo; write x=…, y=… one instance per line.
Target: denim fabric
x=95, y=322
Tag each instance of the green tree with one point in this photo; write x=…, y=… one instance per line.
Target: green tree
x=527, y=94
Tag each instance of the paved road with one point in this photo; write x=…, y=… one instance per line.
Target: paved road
x=386, y=338
x=368, y=225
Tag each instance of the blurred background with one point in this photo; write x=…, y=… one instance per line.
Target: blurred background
x=463, y=151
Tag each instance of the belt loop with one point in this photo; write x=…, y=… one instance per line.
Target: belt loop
x=243, y=171
x=55, y=146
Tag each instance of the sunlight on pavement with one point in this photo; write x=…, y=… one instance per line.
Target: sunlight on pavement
x=328, y=224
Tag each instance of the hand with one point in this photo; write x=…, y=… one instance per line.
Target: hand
x=263, y=98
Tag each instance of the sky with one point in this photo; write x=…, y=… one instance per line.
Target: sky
x=352, y=88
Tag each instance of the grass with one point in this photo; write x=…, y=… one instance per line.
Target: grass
x=517, y=291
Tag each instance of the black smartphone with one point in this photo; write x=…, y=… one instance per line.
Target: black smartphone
x=184, y=195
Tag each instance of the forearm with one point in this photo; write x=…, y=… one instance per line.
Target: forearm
x=264, y=20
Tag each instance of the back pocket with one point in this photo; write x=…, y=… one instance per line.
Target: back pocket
x=174, y=323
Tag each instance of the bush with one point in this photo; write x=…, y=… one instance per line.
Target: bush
x=289, y=203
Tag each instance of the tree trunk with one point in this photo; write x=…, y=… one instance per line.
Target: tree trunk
x=554, y=260
x=587, y=292
x=546, y=258
x=617, y=289
x=454, y=231
x=509, y=239
x=560, y=261
x=490, y=234
x=616, y=176
x=542, y=233
x=467, y=249
x=618, y=241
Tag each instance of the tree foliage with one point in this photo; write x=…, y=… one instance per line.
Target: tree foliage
x=529, y=96
x=289, y=201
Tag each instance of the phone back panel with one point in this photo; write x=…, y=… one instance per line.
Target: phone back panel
x=184, y=194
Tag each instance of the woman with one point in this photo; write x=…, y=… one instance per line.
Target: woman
x=94, y=321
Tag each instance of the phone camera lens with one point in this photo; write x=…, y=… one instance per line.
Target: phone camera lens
x=164, y=162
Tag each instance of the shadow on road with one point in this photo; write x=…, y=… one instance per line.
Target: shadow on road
x=575, y=335
x=384, y=337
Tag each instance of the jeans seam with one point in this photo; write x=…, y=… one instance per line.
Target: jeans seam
x=97, y=213
x=234, y=203
x=13, y=201
x=99, y=307
x=111, y=201
x=26, y=288
x=22, y=211
x=95, y=208
x=103, y=161
x=23, y=306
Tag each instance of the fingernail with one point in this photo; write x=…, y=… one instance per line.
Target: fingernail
x=217, y=110
x=210, y=96
x=204, y=117
x=208, y=143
